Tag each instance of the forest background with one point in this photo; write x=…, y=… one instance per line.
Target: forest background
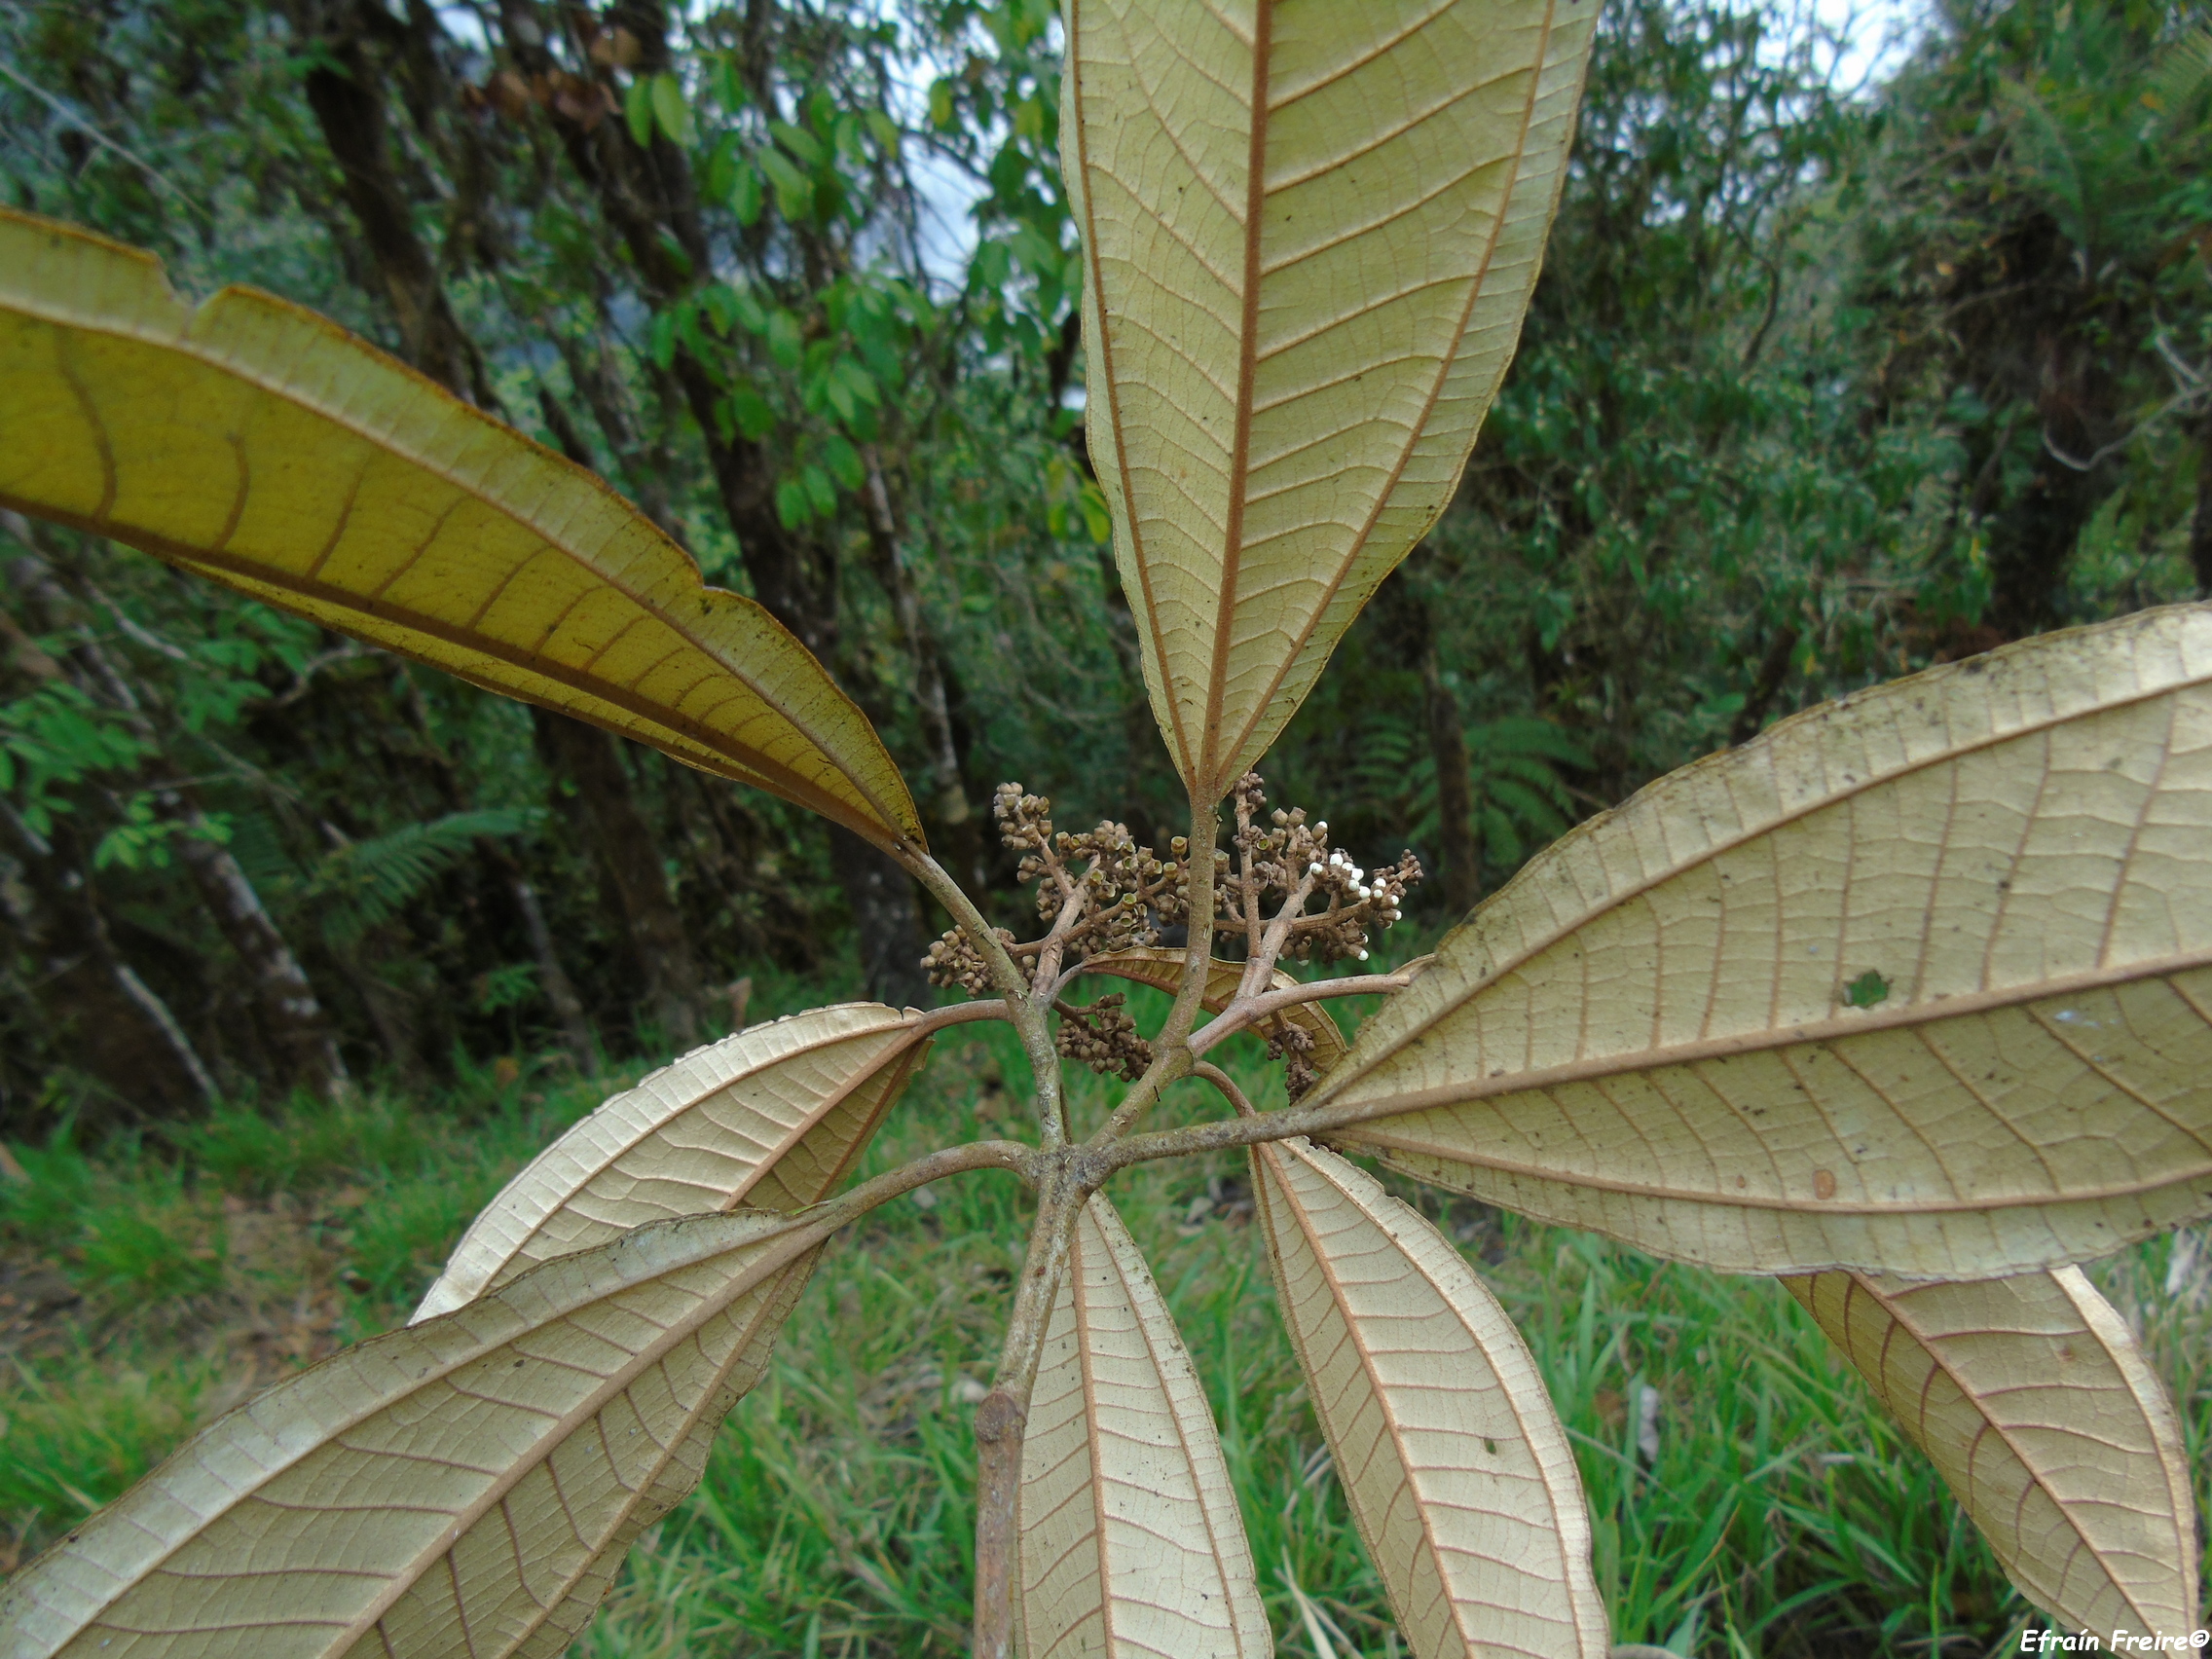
x=1821, y=384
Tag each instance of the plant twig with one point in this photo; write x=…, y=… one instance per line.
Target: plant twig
x=1249, y=1010
x=1171, y=1051
x=1227, y=1085
x=1022, y=1004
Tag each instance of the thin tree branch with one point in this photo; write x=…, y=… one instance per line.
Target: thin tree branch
x=1246, y=1010
x=1172, y=1049
x=1227, y=1085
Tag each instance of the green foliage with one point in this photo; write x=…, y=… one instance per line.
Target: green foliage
x=363, y=883
x=1753, y=452
x=1514, y=764
x=1781, y=1515
x=55, y=737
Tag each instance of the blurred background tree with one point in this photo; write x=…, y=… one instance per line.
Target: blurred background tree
x=1821, y=384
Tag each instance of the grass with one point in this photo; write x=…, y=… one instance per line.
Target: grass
x=150, y=1283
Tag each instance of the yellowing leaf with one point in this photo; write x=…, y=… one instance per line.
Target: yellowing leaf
x=772, y=1117
x=260, y=446
x=1652, y=1031
x=1446, y=1445
x=2034, y=1404
x=1310, y=229
x=1131, y=1539
x=461, y=1487
x=1163, y=969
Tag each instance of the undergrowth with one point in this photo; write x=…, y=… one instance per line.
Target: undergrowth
x=1754, y=1504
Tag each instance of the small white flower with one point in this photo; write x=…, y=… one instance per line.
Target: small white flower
x=1362, y=956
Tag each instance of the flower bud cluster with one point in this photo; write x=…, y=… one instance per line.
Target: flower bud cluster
x=1104, y=1038
x=1024, y=826
x=954, y=960
x=1287, y=861
x=1126, y=893
x=1292, y=1044
x=1099, y=889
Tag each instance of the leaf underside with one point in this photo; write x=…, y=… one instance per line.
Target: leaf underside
x=1131, y=1538
x=773, y=1118
x=1309, y=230
x=463, y=1487
x=1649, y=1032
x=2036, y=1405
x=1164, y=969
x=261, y=446
x=1446, y=1445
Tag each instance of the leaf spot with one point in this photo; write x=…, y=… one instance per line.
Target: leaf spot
x=1865, y=991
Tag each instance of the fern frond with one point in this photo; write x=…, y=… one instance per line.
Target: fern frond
x=368, y=882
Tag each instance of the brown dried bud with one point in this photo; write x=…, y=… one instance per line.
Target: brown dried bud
x=1104, y=1038
x=954, y=960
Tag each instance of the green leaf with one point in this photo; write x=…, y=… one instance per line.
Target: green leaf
x=783, y=342
x=260, y=446
x=670, y=112
x=755, y=417
x=743, y=193
x=660, y=339
x=843, y=462
x=638, y=111
x=795, y=191
x=368, y=882
x=800, y=143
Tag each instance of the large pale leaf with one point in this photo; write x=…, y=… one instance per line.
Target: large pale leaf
x=1163, y=969
x=1457, y=1471
x=261, y=446
x=1915, y=982
x=772, y=1117
x=464, y=1487
x=2032, y=1399
x=1310, y=230
x=1131, y=1539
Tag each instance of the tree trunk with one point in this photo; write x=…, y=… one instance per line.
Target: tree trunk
x=2200, y=523
x=292, y=1019
x=350, y=110
x=2033, y=539
x=959, y=827
x=1767, y=686
x=887, y=921
x=552, y=979
x=586, y=758
x=286, y=1002
x=123, y=1035
x=1456, y=848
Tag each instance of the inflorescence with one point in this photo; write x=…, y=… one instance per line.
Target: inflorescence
x=1100, y=892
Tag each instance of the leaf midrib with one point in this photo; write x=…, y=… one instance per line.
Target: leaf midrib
x=1541, y=868
x=1842, y=1027
x=1247, y=366
x=186, y=343
x=793, y=1135
x=1897, y=1311
x=780, y=1254
x=1420, y=427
